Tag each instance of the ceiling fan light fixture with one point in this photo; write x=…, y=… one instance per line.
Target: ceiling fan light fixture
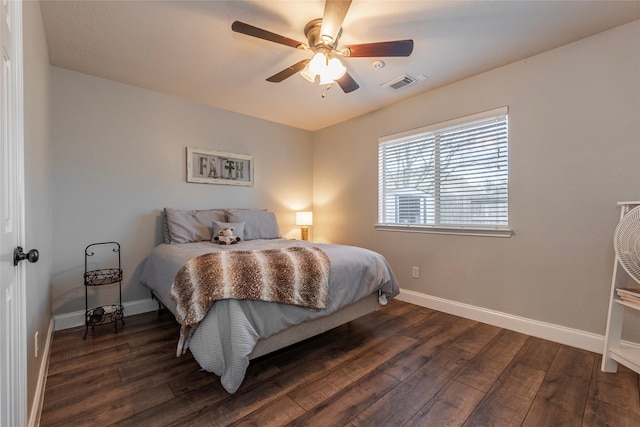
x=335, y=68
x=325, y=78
x=308, y=75
x=329, y=70
x=318, y=63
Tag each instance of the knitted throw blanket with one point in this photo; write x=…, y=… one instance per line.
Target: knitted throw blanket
x=295, y=275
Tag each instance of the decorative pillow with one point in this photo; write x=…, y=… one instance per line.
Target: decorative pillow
x=219, y=225
x=192, y=226
x=166, y=235
x=257, y=224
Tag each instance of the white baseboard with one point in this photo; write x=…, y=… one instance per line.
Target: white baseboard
x=38, y=399
x=560, y=334
x=76, y=318
x=549, y=331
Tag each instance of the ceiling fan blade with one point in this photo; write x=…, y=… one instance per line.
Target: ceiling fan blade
x=334, y=13
x=392, y=48
x=250, y=30
x=347, y=84
x=288, y=72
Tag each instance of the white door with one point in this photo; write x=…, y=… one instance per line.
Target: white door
x=12, y=301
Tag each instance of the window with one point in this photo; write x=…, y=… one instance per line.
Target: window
x=451, y=177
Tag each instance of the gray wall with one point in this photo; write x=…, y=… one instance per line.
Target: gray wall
x=119, y=158
x=38, y=191
x=574, y=152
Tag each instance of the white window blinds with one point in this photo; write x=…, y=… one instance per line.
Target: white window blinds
x=452, y=174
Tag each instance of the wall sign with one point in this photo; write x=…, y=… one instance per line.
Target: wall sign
x=217, y=167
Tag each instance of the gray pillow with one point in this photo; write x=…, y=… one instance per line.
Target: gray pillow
x=257, y=224
x=192, y=226
x=219, y=225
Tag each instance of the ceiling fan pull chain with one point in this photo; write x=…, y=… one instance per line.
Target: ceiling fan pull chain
x=323, y=90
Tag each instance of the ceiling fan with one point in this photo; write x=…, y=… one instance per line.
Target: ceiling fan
x=322, y=36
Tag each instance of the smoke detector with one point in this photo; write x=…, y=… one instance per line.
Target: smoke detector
x=399, y=82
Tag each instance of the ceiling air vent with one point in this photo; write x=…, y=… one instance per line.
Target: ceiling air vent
x=399, y=82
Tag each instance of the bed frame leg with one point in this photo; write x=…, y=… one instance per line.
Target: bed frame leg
x=161, y=307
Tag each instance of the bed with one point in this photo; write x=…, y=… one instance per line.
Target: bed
x=234, y=331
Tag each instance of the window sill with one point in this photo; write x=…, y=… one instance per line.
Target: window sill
x=459, y=231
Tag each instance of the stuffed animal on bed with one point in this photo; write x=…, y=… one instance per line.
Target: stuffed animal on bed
x=225, y=237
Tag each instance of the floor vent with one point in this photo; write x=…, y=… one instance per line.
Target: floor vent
x=399, y=82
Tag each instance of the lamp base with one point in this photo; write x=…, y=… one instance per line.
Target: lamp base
x=304, y=233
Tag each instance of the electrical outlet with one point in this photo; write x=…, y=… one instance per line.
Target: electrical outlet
x=415, y=272
x=35, y=339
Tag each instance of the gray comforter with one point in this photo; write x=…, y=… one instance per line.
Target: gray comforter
x=227, y=335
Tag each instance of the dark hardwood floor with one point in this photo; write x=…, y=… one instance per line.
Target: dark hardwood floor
x=403, y=365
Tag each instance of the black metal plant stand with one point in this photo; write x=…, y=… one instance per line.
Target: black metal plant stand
x=103, y=314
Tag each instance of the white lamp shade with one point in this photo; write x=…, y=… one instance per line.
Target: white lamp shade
x=304, y=218
x=325, y=78
x=318, y=63
x=335, y=68
x=308, y=75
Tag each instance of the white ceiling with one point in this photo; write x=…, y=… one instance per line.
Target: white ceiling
x=187, y=48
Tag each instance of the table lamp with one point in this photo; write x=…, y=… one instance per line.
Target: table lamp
x=304, y=219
